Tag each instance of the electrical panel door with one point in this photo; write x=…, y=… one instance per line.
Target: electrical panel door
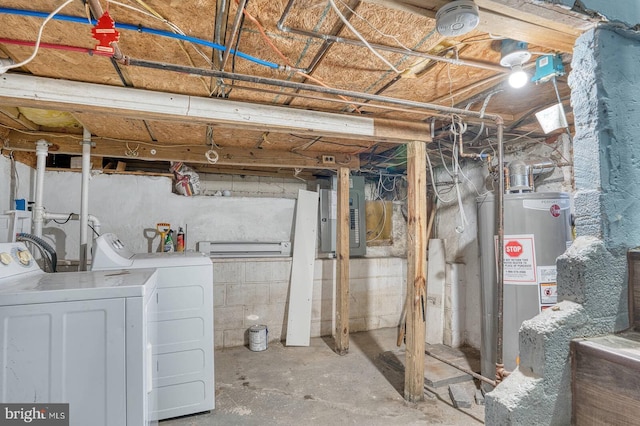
x=328, y=216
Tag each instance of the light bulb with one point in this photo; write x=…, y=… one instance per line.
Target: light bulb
x=518, y=78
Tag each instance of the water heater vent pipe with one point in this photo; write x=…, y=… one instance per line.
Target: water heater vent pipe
x=519, y=174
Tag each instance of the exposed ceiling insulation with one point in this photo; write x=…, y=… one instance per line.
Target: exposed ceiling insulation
x=297, y=56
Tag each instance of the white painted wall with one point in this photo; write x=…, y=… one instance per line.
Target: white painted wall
x=131, y=206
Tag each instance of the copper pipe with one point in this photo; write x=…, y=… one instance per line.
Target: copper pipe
x=507, y=179
x=97, y=11
x=234, y=32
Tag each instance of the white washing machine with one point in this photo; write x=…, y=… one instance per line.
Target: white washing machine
x=82, y=338
x=183, y=352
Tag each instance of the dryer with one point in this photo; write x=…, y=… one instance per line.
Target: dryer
x=183, y=356
x=82, y=338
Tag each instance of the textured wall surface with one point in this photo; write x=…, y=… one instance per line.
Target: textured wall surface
x=624, y=11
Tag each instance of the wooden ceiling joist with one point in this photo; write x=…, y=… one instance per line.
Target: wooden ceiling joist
x=65, y=144
x=20, y=120
x=523, y=20
x=46, y=93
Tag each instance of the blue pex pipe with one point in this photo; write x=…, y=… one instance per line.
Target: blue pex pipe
x=140, y=29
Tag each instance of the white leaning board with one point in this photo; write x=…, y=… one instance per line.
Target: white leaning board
x=436, y=272
x=304, y=256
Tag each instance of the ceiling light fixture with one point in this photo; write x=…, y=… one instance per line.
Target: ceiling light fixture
x=513, y=55
x=518, y=78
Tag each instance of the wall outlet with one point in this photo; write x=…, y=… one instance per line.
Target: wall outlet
x=328, y=159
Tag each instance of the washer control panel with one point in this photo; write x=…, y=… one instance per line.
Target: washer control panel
x=16, y=259
x=110, y=252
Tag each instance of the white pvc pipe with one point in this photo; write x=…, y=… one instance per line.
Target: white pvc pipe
x=42, y=147
x=94, y=221
x=84, y=198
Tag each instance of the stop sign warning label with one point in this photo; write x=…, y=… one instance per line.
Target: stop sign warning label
x=513, y=248
x=519, y=259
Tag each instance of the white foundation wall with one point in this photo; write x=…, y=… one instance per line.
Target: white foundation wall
x=131, y=206
x=244, y=288
x=461, y=247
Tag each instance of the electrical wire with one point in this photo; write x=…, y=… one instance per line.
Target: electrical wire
x=5, y=68
x=93, y=229
x=456, y=180
x=362, y=39
x=62, y=223
x=14, y=174
x=373, y=27
x=433, y=183
x=475, y=188
x=138, y=28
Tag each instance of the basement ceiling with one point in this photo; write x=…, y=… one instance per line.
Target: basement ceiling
x=296, y=55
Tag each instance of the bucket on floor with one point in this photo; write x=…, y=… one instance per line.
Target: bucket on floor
x=258, y=337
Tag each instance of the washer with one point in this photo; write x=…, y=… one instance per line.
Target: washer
x=82, y=338
x=183, y=354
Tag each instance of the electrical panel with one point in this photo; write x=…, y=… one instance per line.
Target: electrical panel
x=328, y=216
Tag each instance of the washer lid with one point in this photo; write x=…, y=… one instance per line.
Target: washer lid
x=71, y=286
x=160, y=260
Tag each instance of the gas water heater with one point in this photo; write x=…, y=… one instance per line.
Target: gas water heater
x=537, y=229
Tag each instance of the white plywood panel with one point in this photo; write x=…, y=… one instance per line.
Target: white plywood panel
x=435, y=292
x=304, y=254
x=454, y=305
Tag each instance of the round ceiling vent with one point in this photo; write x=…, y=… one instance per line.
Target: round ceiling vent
x=457, y=17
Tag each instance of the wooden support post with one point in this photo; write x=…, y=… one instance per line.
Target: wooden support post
x=416, y=271
x=342, y=263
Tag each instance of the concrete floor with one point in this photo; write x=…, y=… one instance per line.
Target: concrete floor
x=314, y=386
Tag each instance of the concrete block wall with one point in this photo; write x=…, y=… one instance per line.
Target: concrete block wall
x=260, y=287
x=250, y=186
